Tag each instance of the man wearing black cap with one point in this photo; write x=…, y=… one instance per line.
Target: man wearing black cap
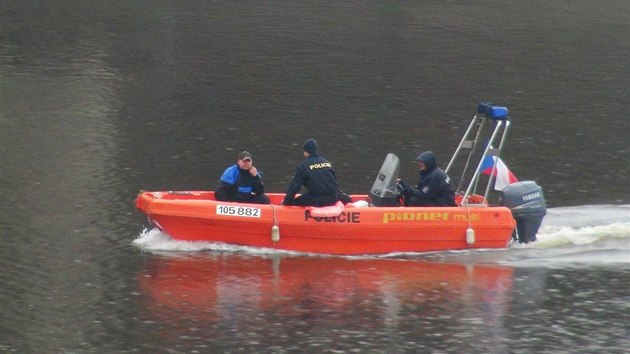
x=317, y=175
x=434, y=188
x=241, y=183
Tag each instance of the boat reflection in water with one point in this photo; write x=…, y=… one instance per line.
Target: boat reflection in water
x=247, y=294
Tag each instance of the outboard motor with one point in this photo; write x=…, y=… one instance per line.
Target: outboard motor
x=526, y=201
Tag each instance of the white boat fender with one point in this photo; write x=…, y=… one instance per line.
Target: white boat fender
x=275, y=233
x=275, y=230
x=470, y=236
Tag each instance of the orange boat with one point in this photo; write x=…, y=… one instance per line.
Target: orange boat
x=196, y=216
x=356, y=228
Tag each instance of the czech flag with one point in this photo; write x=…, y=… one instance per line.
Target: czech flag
x=504, y=177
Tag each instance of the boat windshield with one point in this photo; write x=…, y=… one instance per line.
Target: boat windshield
x=385, y=183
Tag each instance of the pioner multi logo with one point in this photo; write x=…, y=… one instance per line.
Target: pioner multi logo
x=427, y=216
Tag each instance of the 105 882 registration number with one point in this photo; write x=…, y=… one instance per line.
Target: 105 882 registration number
x=232, y=210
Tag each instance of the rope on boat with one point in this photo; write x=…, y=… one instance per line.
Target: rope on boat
x=275, y=230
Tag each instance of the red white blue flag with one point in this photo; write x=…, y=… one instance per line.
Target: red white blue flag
x=504, y=177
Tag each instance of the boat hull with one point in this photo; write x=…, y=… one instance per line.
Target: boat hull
x=196, y=216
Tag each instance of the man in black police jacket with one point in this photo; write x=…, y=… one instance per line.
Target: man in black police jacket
x=433, y=189
x=317, y=175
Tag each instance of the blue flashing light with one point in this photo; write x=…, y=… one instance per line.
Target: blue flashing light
x=492, y=111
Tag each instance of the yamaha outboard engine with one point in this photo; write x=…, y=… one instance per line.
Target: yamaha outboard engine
x=526, y=201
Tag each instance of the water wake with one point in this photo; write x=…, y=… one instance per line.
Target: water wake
x=584, y=225
x=550, y=237
x=155, y=240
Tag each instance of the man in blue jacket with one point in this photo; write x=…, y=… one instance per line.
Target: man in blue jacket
x=317, y=175
x=242, y=183
x=433, y=189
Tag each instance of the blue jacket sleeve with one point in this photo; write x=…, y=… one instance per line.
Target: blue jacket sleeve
x=230, y=174
x=226, y=190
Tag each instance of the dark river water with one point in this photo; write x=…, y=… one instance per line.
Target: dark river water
x=100, y=99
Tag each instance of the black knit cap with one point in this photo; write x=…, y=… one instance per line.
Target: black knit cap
x=310, y=146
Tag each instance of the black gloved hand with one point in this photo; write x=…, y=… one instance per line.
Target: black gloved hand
x=404, y=189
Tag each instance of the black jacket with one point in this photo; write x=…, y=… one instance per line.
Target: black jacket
x=433, y=189
x=317, y=175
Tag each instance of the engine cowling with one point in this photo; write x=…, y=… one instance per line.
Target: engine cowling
x=527, y=202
